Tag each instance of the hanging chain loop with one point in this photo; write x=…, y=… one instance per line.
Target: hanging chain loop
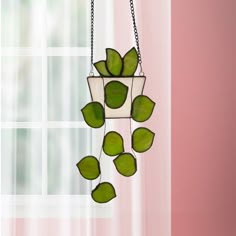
x=136, y=35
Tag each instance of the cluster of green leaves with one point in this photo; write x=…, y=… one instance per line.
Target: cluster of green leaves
x=89, y=168
x=115, y=94
x=113, y=143
x=94, y=113
x=142, y=109
x=116, y=66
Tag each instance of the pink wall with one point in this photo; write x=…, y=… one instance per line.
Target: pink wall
x=203, y=120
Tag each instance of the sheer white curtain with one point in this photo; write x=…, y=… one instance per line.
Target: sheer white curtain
x=45, y=55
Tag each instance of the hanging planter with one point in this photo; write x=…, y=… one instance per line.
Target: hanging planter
x=116, y=93
x=117, y=85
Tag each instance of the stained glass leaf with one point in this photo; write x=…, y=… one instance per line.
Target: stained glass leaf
x=126, y=164
x=142, y=108
x=115, y=94
x=102, y=69
x=142, y=139
x=113, y=144
x=94, y=114
x=114, y=62
x=89, y=167
x=103, y=193
x=130, y=62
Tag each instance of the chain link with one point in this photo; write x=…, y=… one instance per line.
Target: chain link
x=92, y=35
x=136, y=35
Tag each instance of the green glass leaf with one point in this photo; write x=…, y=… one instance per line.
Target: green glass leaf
x=130, y=62
x=94, y=114
x=102, y=69
x=115, y=94
x=89, y=167
x=142, y=139
x=114, y=62
x=103, y=193
x=142, y=108
x=113, y=144
x=126, y=164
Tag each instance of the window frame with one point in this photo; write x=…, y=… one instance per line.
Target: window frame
x=51, y=205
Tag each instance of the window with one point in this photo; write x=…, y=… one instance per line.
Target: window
x=44, y=64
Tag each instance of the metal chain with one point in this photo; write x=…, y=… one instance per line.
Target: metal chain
x=92, y=35
x=136, y=35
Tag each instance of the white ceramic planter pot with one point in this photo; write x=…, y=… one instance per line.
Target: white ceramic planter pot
x=135, y=88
